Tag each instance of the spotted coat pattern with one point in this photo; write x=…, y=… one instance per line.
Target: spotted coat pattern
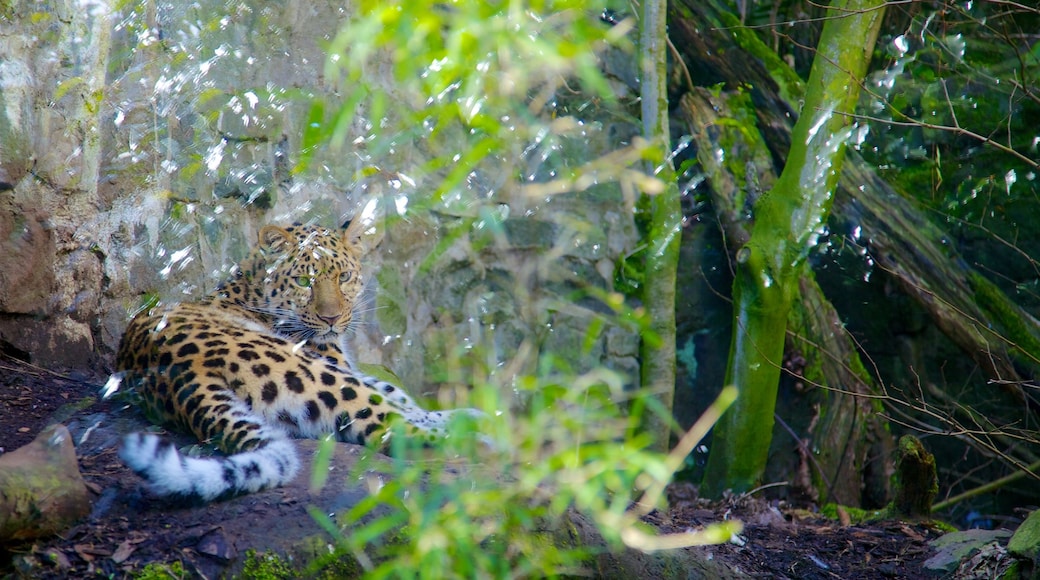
x=260, y=359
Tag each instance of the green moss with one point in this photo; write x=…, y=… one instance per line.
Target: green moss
x=916, y=483
x=791, y=86
x=1026, y=541
x=1014, y=572
x=324, y=566
x=990, y=298
x=266, y=566
x=69, y=409
x=162, y=571
x=856, y=515
x=318, y=561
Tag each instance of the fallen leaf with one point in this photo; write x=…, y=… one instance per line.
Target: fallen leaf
x=88, y=552
x=123, y=552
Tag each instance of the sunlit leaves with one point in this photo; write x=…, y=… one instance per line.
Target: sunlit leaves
x=474, y=77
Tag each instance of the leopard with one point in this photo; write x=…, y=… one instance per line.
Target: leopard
x=262, y=359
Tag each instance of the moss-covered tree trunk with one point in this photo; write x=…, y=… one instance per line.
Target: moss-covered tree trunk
x=786, y=221
x=753, y=125
x=665, y=226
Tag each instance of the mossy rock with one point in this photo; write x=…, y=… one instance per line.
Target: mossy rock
x=1025, y=544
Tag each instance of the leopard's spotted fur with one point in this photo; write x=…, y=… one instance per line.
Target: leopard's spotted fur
x=260, y=359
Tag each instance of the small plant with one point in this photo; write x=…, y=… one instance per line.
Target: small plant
x=462, y=510
x=162, y=571
x=266, y=566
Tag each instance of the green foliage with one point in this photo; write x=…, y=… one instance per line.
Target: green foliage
x=500, y=507
x=855, y=515
x=476, y=95
x=266, y=567
x=471, y=81
x=162, y=571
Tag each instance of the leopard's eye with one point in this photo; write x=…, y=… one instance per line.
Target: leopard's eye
x=345, y=277
x=303, y=281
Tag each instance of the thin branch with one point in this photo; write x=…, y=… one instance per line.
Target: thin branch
x=958, y=130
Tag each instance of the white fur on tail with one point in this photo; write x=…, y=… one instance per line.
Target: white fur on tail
x=208, y=478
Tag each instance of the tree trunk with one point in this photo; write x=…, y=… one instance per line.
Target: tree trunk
x=847, y=434
x=786, y=221
x=664, y=232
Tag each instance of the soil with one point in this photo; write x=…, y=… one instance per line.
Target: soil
x=127, y=530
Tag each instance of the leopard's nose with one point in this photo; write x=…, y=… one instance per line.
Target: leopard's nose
x=329, y=319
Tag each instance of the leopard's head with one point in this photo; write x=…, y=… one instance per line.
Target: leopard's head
x=305, y=279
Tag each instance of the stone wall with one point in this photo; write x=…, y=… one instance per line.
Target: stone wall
x=53, y=57
x=140, y=152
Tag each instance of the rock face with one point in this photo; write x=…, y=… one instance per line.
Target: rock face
x=41, y=489
x=141, y=150
x=52, y=79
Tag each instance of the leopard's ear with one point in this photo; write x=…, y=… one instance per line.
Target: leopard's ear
x=352, y=231
x=274, y=239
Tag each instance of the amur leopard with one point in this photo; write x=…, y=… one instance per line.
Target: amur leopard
x=261, y=359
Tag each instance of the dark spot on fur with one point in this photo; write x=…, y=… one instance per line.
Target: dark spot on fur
x=248, y=355
x=328, y=398
x=269, y=392
x=347, y=393
x=343, y=430
x=364, y=413
x=251, y=470
x=229, y=474
x=241, y=424
x=293, y=382
x=328, y=379
x=274, y=356
x=187, y=350
x=185, y=392
x=287, y=418
x=313, y=411
x=261, y=370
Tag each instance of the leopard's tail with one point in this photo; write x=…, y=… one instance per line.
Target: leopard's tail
x=169, y=473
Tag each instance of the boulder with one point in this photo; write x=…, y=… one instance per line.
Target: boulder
x=41, y=489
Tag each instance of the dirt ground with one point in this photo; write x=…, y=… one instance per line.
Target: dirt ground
x=127, y=530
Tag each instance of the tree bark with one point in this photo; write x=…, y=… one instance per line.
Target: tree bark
x=657, y=370
x=848, y=435
x=786, y=220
